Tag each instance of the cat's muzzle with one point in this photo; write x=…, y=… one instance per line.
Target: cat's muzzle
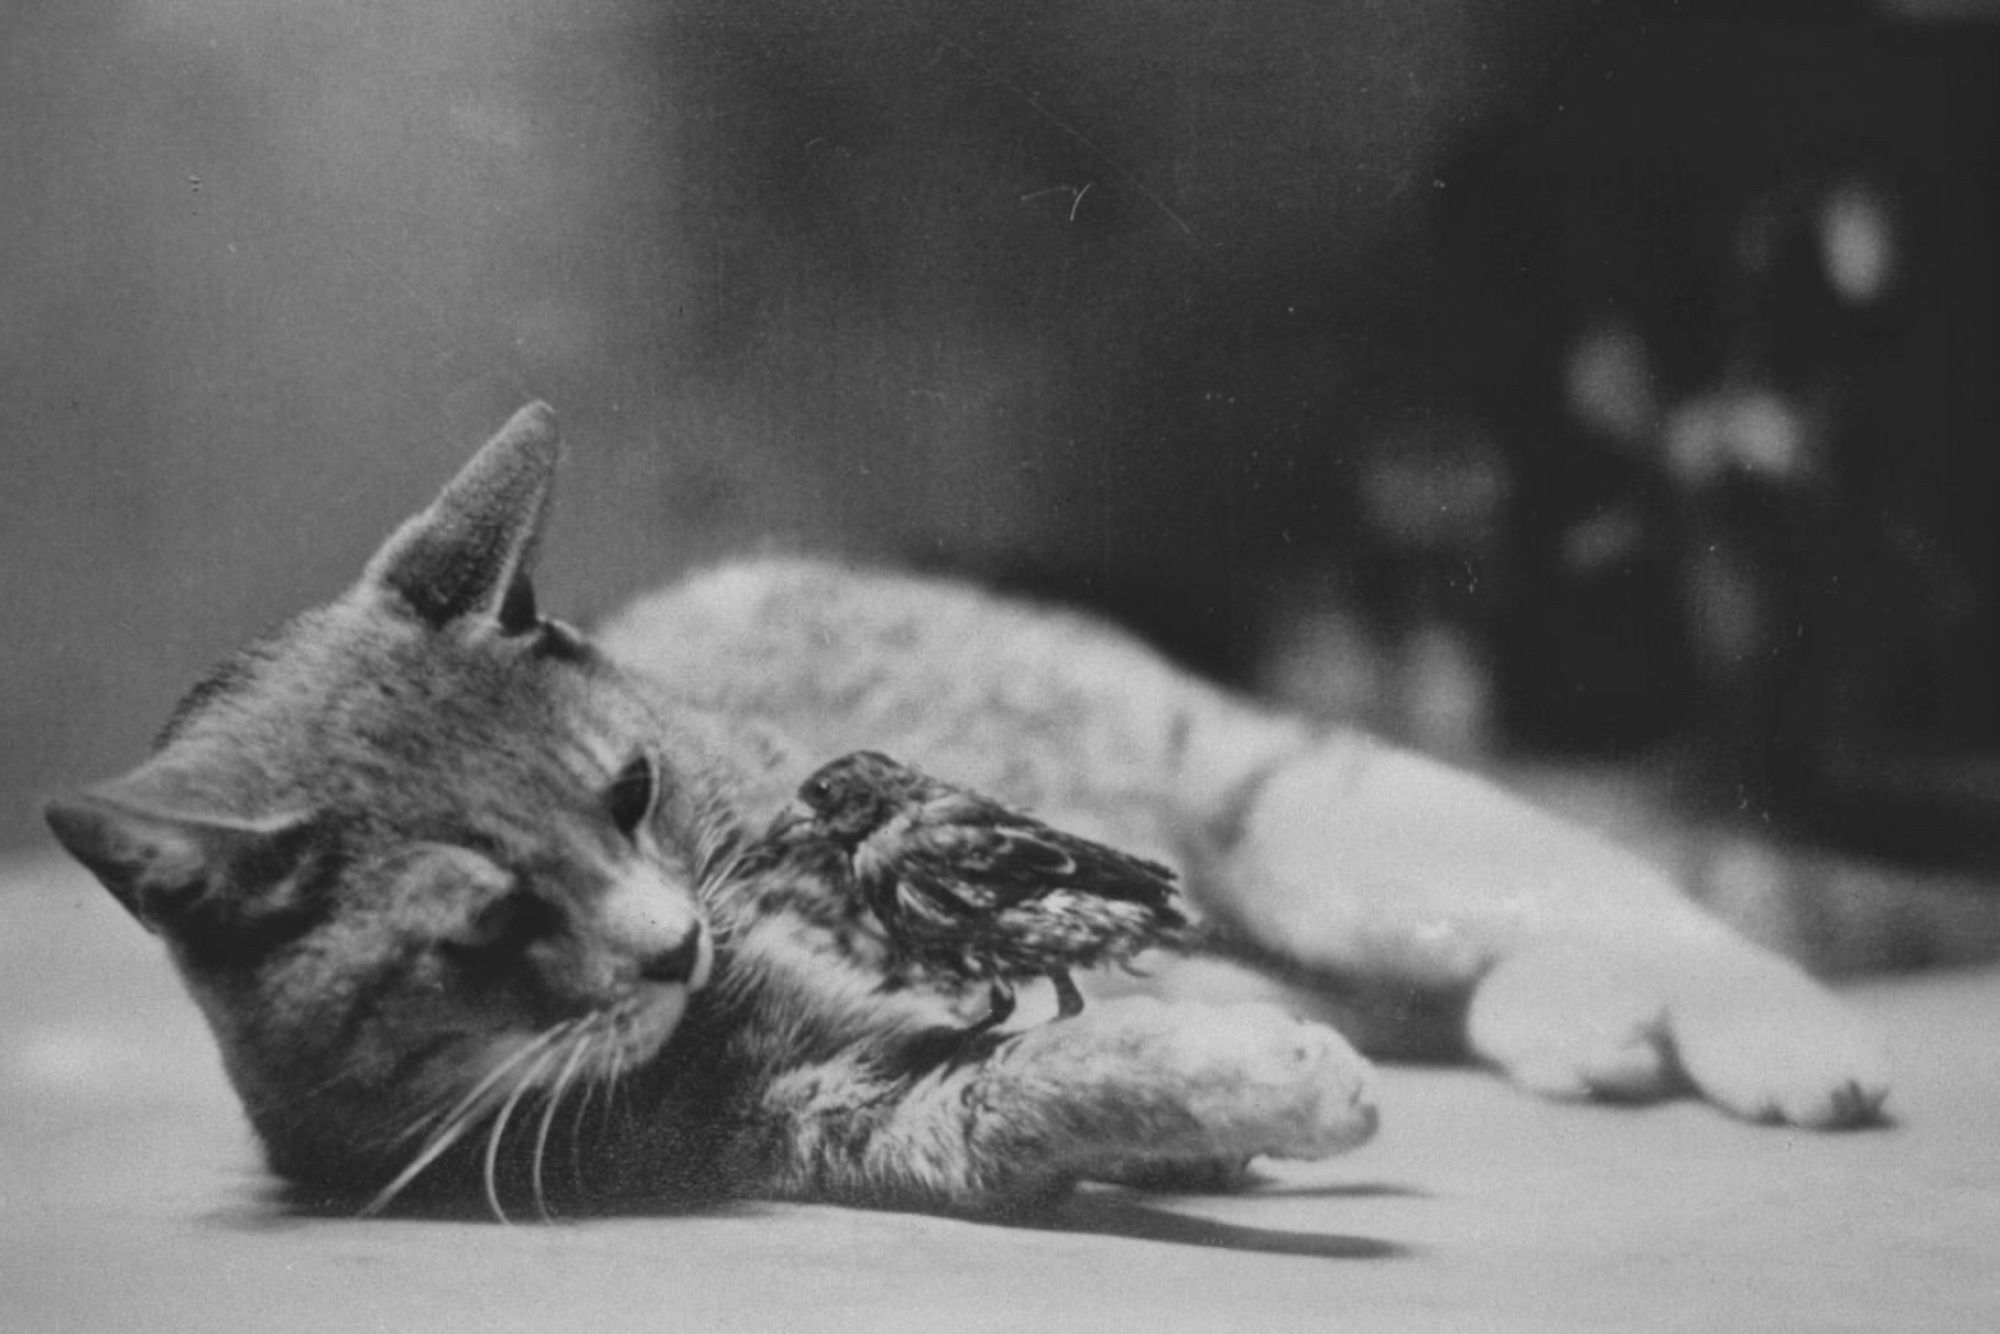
x=688, y=962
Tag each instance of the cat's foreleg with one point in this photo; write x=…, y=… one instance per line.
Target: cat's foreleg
x=1133, y=1083
x=1570, y=964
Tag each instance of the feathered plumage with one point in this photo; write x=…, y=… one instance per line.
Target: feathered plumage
x=969, y=890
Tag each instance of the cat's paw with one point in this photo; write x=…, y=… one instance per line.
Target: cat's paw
x=1748, y=1032
x=1262, y=1082
x=1570, y=1022
x=1772, y=1045
x=1185, y=1082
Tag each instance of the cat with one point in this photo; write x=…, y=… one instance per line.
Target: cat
x=464, y=898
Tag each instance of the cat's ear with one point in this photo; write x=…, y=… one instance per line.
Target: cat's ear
x=208, y=881
x=470, y=553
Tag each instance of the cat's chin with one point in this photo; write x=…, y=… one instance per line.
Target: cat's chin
x=648, y=1018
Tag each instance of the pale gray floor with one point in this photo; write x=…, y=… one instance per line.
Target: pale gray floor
x=131, y=1199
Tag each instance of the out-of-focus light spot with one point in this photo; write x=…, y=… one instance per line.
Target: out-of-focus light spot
x=1768, y=436
x=1438, y=487
x=1756, y=432
x=1324, y=657
x=1608, y=379
x=1603, y=541
x=1447, y=691
x=1857, y=243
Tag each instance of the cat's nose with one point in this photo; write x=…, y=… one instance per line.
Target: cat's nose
x=686, y=962
x=654, y=929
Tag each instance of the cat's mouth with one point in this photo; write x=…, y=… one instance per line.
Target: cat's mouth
x=659, y=998
x=687, y=963
x=643, y=1019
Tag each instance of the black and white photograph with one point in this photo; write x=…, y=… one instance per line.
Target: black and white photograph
x=888, y=665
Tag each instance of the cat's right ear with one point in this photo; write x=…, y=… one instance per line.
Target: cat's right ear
x=206, y=881
x=470, y=553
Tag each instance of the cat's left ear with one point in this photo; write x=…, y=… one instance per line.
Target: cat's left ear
x=470, y=553
x=215, y=883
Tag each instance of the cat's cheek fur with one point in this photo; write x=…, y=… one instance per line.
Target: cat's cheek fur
x=646, y=1024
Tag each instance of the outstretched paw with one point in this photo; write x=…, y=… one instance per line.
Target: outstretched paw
x=1777, y=1047
x=1205, y=1082
x=1264, y=1082
x=1748, y=1032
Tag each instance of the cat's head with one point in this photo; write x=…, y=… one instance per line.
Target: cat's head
x=423, y=851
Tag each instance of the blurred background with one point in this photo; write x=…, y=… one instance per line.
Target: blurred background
x=1607, y=393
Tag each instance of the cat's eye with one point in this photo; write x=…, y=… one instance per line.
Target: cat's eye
x=630, y=798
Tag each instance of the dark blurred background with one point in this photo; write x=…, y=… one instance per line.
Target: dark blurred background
x=1611, y=382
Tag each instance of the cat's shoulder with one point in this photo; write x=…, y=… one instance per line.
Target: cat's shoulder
x=784, y=589
x=778, y=604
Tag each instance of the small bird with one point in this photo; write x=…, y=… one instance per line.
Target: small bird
x=970, y=890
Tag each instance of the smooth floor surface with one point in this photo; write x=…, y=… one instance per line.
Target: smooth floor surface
x=131, y=1198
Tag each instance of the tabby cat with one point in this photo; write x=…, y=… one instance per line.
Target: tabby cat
x=464, y=897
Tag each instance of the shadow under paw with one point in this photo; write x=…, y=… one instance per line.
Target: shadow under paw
x=1115, y=1213
x=1206, y=1176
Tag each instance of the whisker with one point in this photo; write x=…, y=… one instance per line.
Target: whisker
x=453, y=1124
x=616, y=1088
x=434, y=1149
x=576, y=1121
x=478, y=1091
x=578, y=1042
x=721, y=842
x=527, y=1082
x=721, y=874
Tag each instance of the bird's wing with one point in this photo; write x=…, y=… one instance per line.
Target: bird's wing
x=991, y=857
x=944, y=870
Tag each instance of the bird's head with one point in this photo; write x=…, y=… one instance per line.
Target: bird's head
x=855, y=795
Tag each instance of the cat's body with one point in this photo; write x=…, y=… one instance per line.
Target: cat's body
x=450, y=884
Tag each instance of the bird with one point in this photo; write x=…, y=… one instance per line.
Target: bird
x=970, y=890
